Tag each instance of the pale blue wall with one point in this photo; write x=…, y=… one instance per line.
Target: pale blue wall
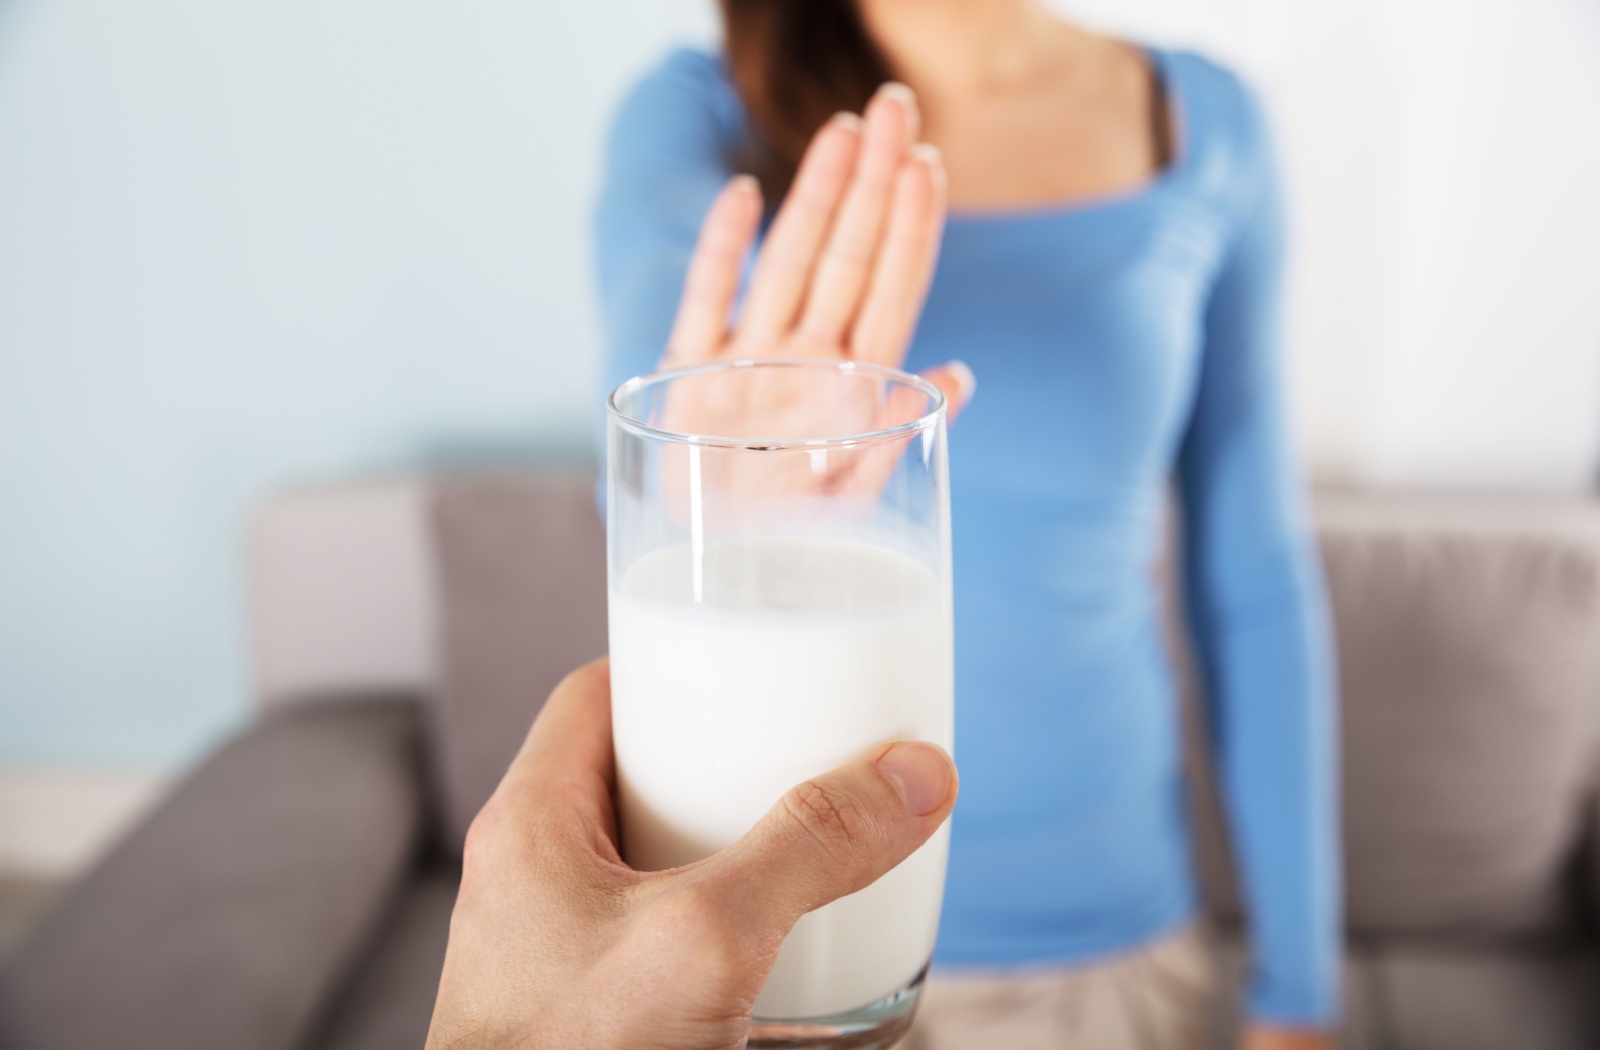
x=247, y=244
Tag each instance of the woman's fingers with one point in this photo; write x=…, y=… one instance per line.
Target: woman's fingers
x=905, y=262
x=713, y=277
x=879, y=211
x=957, y=383
x=875, y=465
x=841, y=274
x=784, y=267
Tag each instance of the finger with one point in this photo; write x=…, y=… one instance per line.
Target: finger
x=784, y=266
x=872, y=469
x=566, y=761
x=846, y=262
x=713, y=278
x=957, y=383
x=906, y=261
x=834, y=835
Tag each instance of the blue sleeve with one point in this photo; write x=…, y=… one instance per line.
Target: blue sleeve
x=667, y=156
x=1257, y=612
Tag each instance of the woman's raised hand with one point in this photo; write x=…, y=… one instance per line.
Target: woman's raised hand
x=846, y=265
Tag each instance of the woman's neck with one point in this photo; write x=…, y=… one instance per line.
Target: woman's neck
x=959, y=47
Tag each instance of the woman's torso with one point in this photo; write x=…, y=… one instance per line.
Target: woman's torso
x=1085, y=326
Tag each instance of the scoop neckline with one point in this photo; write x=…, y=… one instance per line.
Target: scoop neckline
x=1151, y=189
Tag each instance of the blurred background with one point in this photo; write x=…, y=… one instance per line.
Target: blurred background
x=249, y=246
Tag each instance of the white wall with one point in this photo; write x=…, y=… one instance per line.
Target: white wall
x=242, y=245
x=1444, y=164
x=1493, y=371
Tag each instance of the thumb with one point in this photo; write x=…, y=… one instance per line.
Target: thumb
x=837, y=833
x=957, y=382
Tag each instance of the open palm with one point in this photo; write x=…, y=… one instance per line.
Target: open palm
x=842, y=275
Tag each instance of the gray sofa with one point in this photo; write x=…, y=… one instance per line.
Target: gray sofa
x=295, y=890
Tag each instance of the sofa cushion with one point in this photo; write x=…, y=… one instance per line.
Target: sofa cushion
x=229, y=916
x=1469, y=657
x=1489, y=999
x=521, y=584
x=390, y=1002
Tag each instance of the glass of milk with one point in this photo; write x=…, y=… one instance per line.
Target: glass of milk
x=779, y=558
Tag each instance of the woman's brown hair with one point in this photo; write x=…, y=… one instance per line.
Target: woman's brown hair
x=796, y=63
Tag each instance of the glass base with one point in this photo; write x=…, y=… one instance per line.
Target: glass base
x=875, y=1027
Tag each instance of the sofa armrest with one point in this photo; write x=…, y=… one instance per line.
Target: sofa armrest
x=341, y=592
x=229, y=916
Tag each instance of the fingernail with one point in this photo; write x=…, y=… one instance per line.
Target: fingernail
x=744, y=184
x=895, y=89
x=928, y=153
x=920, y=773
x=847, y=120
x=964, y=379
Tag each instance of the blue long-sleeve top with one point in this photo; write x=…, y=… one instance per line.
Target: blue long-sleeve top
x=1119, y=343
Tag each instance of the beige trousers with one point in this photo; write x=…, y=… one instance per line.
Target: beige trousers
x=1159, y=997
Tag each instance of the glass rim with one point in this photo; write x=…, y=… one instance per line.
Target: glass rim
x=638, y=427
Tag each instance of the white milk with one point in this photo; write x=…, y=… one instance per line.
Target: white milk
x=797, y=655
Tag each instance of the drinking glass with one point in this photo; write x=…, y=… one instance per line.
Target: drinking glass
x=779, y=561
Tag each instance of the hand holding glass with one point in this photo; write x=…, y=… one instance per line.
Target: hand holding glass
x=779, y=555
x=763, y=635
